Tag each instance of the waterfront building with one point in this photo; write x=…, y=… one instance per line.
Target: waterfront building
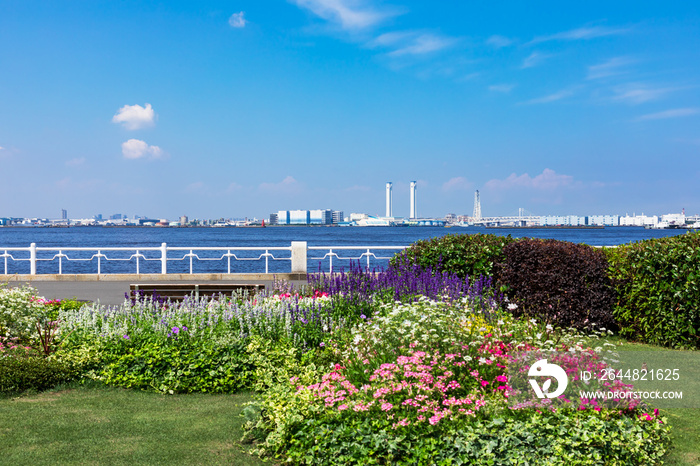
x=674, y=219
x=299, y=217
x=338, y=216
x=638, y=220
x=304, y=217
x=321, y=217
x=604, y=220
x=283, y=217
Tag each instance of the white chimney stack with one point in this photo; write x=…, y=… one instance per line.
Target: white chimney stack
x=389, y=213
x=412, y=213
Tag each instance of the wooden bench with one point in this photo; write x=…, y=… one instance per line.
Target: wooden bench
x=178, y=291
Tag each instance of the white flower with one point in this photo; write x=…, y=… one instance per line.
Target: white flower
x=549, y=327
x=512, y=306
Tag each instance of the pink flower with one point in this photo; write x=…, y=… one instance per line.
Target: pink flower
x=484, y=383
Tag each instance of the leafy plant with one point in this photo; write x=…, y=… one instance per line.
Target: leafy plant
x=562, y=283
x=657, y=284
x=21, y=371
x=463, y=255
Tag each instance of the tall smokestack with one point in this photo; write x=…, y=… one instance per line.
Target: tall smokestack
x=389, y=212
x=412, y=213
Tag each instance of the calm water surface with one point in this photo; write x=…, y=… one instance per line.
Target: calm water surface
x=259, y=237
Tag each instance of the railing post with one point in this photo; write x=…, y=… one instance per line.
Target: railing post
x=137, y=262
x=298, y=256
x=32, y=259
x=164, y=258
x=60, y=262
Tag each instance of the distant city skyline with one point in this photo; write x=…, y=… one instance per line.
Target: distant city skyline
x=239, y=109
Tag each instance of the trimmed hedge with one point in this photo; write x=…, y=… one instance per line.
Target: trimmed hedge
x=561, y=283
x=463, y=255
x=658, y=290
x=22, y=373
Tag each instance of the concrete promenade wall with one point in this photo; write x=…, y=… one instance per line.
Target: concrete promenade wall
x=109, y=289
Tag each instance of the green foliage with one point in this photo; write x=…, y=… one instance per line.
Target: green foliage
x=658, y=290
x=181, y=365
x=564, y=437
x=562, y=283
x=20, y=372
x=463, y=255
x=280, y=369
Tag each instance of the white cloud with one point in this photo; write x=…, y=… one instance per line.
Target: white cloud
x=534, y=59
x=640, y=93
x=612, y=67
x=584, y=33
x=2, y=148
x=403, y=43
x=237, y=20
x=197, y=186
x=547, y=180
x=499, y=41
x=458, y=183
x=348, y=14
x=504, y=88
x=137, y=149
x=288, y=185
x=673, y=113
x=76, y=162
x=233, y=187
x=551, y=97
x=135, y=116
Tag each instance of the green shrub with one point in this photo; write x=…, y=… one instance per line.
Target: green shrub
x=177, y=366
x=463, y=255
x=658, y=290
x=22, y=372
x=564, y=437
x=562, y=283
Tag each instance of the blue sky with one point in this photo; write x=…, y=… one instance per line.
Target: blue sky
x=241, y=108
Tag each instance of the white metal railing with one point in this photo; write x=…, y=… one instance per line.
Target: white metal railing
x=296, y=253
x=368, y=254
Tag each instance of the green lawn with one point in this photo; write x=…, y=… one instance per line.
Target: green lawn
x=113, y=426
x=684, y=420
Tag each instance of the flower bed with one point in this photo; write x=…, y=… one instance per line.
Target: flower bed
x=367, y=368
